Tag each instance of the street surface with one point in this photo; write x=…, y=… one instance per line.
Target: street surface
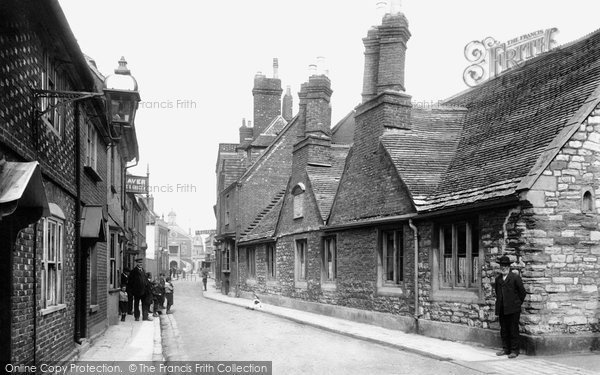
x=215, y=331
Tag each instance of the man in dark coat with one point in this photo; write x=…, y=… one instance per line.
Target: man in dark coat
x=510, y=295
x=137, y=287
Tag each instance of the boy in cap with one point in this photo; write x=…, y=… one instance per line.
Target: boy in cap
x=510, y=295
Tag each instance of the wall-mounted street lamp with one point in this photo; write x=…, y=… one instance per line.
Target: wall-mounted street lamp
x=120, y=92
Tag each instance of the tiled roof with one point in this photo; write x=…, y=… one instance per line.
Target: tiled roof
x=513, y=118
x=512, y=127
x=325, y=179
x=233, y=168
x=270, y=133
x=265, y=223
x=422, y=154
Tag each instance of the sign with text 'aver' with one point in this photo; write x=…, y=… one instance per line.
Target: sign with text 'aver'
x=136, y=184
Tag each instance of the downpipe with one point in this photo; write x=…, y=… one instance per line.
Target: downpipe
x=416, y=272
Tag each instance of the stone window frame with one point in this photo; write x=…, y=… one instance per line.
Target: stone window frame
x=472, y=291
x=396, y=286
x=298, y=197
x=53, y=290
x=591, y=204
x=327, y=279
x=301, y=262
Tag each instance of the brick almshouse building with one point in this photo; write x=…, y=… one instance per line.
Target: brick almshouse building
x=62, y=169
x=396, y=216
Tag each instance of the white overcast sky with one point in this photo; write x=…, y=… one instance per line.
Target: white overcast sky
x=205, y=54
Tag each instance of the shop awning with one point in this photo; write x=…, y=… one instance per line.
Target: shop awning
x=93, y=223
x=22, y=187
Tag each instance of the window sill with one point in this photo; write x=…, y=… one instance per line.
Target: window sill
x=454, y=295
x=51, y=309
x=251, y=281
x=390, y=291
x=300, y=284
x=329, y=285
x=94, y=308
x=91, y=172
x=272, y=282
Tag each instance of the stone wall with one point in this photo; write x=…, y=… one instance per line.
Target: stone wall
x=562, y=270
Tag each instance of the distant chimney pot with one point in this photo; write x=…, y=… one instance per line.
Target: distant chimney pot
x=249, y=123
x=321, y=65
x=395, y=6
x=382, y=8
x=312, y=70
x=244, y=121
x=275, y=68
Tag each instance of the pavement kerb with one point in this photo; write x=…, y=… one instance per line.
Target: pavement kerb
x=172, y=346
x=231, y=301
x=157, y=353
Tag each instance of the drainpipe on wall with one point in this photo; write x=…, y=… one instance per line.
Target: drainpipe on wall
x=35, y=239
x=237, y=239
x=416, y=247
x=80, y=265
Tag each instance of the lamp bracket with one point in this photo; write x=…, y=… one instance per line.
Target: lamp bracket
x=66, y=96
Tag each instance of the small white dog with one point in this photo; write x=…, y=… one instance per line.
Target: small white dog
x=255, y=304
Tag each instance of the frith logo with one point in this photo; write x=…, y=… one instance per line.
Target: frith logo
x=490, y=57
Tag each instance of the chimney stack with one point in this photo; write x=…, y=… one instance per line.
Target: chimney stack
x=267, y=100
x=287, y=107
x=275, y=67
x=245, y=131
x=318, y=109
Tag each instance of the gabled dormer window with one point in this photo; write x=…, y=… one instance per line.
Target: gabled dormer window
x=298, y=198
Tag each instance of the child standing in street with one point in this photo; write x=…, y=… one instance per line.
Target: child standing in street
x=169, y=294
x=123, y=299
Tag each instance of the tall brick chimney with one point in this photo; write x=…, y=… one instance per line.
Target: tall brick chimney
x=315, y=118
x=245, y=132
x=267, y=99
x=287, y=107
x=318, y=109
x=384, y=102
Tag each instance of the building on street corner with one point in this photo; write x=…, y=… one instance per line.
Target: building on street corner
x=397, y=215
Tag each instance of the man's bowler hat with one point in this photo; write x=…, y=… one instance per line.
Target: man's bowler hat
x=504, y=261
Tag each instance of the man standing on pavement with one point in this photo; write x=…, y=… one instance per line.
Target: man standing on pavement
x=510, y=295
x=137, y=287
x=204, y=276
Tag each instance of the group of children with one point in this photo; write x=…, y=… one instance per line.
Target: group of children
x=156, y=292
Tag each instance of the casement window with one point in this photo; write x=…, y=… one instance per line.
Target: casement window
x=113, y=155
x=91, y=152
x=298, y=198
x=227, y=209
x=329, y=259
x=174, y=249
x=270, y=260
x=459, y=255
x=53, y=80
x=112, y=260
x=226, y=257
x=301, y=248
x=52, y=264
x=392, y=257
x=251, y=262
